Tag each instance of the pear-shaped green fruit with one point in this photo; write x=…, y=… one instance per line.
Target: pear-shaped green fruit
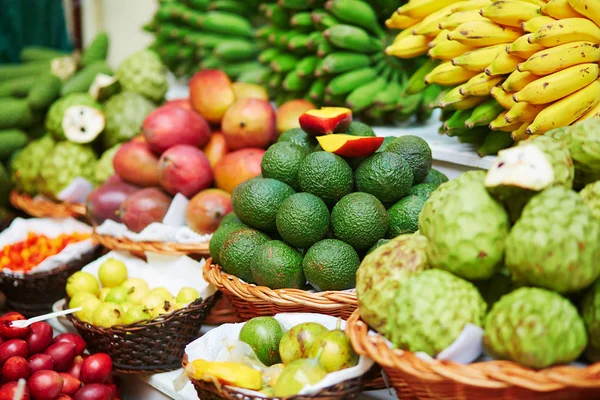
x=333, y=351
x=117, y=295
x=297, y=375
x=263, y=334
x=112, y=273
x=136, y=313
x=107, y=315
x=296, y=342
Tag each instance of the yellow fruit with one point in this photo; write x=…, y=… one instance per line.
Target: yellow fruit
x=589, y=8
x=522, y=48
x=523, y=112
x=447, y=74
x=559, y=9
x=551, y=60
x=423, y=8
x=409, y=46
x=483, y=33
x=227, y=373
x=480, y=85
x=533, y=25
x=477, y=60
x=397, y=21
x=448, y=49
x=503, y=64
x=566, y=31
x=520, y=133
x=503, y=98
x=518, y=80
x=511, y=12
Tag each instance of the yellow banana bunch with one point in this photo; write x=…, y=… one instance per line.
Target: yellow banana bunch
x=589, y=8
x=480, y=85
x=535, y=24
x=503, y=64
x=511, y=12
x=477, y=60
x=566, y=31
x=447, y=74
x=483, y=33
x=518, y=80
x=522, y=48
x=559, y=9
x=554, y=59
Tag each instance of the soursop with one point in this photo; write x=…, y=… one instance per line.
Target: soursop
x=591, y=197
x=466, y=228
x=536, y=328
x=104, y=167
x=67, y=162
x=125, y=113
x=431, y=309
x=25, y=168
x=556, y=243
x=56, y=113
x=522, y=171
x=590, y=311
x=383, y=271
x=144, y=73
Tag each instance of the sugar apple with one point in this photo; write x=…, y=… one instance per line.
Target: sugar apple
x=466, y=231
x=56, y=113
x=522, y=171
x=104, y=167
x=383, y=271
x=144, y=73
x=591, y=197
x=534, y=327
x=25, y=168
x=556, y=243
x=430, y=310
x=67, y=162
x=498, y=285
x=590, y=311
x=125, y=113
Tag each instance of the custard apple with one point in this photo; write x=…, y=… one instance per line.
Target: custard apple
x=125, y=113
x=534, y=327
x=590, y=311
x=431, y=309
x=25, y=168
x=67, y=162
x=466, y=231
x=522, y=171
x=144, y=73
x=556, y=243
x=104, y=167
x=56, y=113
x=383, y=271
x=591, y=197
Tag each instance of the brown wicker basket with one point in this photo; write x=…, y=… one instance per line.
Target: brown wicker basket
x=222, y=313
x=175, y=249
x=252, y=301
x=46, y=208
x=416, y=379
x=152, y=347
x=35, y=293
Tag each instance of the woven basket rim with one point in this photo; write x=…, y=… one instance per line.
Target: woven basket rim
x=167, y=248
x=45, y=207
x=496, y=374
x=284, y=297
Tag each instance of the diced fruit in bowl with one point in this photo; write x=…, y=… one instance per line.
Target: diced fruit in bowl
x=326, y=120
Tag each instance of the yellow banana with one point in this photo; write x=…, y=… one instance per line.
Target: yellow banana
x=448, y=50
x=534, y=25
x=522, y=48
x=566, y=31
x=567, y=110
x=397, y=21
x=467, y=103
x=451, y=97
x=503, y=64
x=477, y=60
x=560, y=84
x=518, y=80
x=593, y=113
x=520, y=133
x=455, y=19
x=440, y=38
x=523, y=112
x=470, y=5
x=422, y=8
x=480, y=85
x=483, y=33
x=430, y=29
x=447, y=74
x=503, y=98
x=559, y=9
x=589, y=8
x=551, y=60
x=500, y=124
x=409, y=46
x=536, y=2
x=510, y=12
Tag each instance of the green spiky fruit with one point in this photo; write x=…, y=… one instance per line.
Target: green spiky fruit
x=104, y=167
x=536, y=328
x=144, y=73
x=26, y=166
x=383, y=271
x=466, y=231
x=426, y=299
x=67, y=162
x=556, y=242
x=590, y=311
x=591, y=197
x=56, y=113
x=125, y=113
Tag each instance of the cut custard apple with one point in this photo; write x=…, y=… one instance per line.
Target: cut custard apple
x=383, y=271
x=431, y=309
x=83, y=124
x=590, y=311
x=103, y=87
x=26, y=166
x=56, y=113
x=63, y=67
x=67, y=162
x=536, y=328
x=556, y=243
x=591, y=196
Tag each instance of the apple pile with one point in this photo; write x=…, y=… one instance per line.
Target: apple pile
x=55, y=368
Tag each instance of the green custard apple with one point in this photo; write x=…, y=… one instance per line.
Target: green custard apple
x=26, y=166
x=125, y=113
x=431, y=309
x=556, y=243
x=590, y=311
x=67, y=162
x=591, y=197
x=56, y=113
x=383, y=271
x=536, y=328
x=144, y=73
x=466, y=231
x=104, y=167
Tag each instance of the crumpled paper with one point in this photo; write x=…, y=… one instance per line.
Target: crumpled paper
x=77, y=191
x=50, y=227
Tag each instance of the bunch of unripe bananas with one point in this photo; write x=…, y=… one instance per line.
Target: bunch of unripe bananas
x=515, y=67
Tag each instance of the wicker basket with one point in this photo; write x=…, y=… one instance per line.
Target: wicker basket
x=222, y=313
x=175, y=249
x=46, y=208
x=35, y=293
x=252, y=301
x=416, y=379
x=152, y=347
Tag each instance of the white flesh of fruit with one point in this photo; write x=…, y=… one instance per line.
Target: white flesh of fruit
x=83, y=124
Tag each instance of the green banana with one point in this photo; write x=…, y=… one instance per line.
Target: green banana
x=236, y=69
x=275, y=81
x=264, y=32
x=472, y=137
x=231, y=6
x=494, y=142
x=296, y=4
x=284, y=62
x=386, y=100
x=429, y=100
x=211, y=62
x=294, y=82
x=356, y=12
x=201, y=5
x=336, y=63
x=235, y=50
x=267, y=55
x=315, y=39
x=407, y=105
x=363, y=96
x=484, y=113
x=226, y=23
x=278, y=16
x=416, y=83
x=324, y=48
x=306, y=67
x=323, y=20
x=299, y=44
x=458, y=119
x=316, y=93
x=302, y=21
x=346, y=82
x=349, y=37
x=207, y=40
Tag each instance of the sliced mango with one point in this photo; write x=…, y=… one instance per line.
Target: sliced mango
x=227, y=373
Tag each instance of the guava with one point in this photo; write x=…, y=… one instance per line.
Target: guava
x=112, y=273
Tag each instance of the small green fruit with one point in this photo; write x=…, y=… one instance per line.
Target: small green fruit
x=136, y=313
x=151, y=301
x=112, y=273
x=296, y=342
x=82, y=282
x=107, y=315
x=88, y=307
x=297, y=375
x=162, y=293
x=117, y=295
x=80, y=298
x=333, y=351
x=263, y=334
x=103, y=293
x=187, y=295
x=136, y=283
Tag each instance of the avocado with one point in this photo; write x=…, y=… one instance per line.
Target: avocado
x=379, y=243
x=277, y=266
x=263, y=334
x=416, y=152
x=218, y=238
x=360, y=129
x=385, y=175
x=298, y=137
x=436, y=177
x=327, y=176
x=237, y=252
x=282, y=162
x=423, y=190
x=331, y=265
x=404, y=216
x=386, y=141
x=228, y=219
x=302, y=220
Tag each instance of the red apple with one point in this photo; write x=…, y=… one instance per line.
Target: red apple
x=211, y=94
x=10, y=332
x=249, y=123
x=289, y=113
x=62, y=354
x=8, y=391
x=237, y=167
x=94, y=391
x=135, y=163
x=216, y=148
x=326, y=121
x=206, y=209
x=71, y=338
x=350, y=146
x=185, y=169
